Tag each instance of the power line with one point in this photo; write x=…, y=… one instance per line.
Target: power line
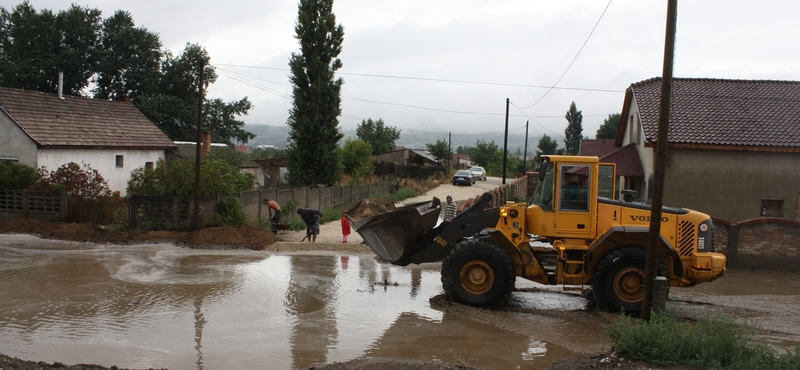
x=230, y=74
x=573, y=59
x=539, y=124
x=440, y=79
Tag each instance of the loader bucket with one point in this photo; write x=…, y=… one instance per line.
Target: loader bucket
x=399, y=233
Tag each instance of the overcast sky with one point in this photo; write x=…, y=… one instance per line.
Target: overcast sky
x=444, y=66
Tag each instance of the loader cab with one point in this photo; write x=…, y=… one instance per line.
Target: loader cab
x=566, y=196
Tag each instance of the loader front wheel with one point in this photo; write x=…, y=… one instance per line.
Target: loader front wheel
x=478, y=273
x=618, y=281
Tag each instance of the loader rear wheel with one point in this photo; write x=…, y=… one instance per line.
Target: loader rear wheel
x=478, y=273
x=618, y=281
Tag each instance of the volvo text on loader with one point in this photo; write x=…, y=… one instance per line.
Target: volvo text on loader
x=571, y=233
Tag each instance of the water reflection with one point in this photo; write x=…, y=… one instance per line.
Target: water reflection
x=162, y=306
x=311, y=299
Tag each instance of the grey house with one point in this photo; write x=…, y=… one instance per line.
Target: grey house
x=734, y=145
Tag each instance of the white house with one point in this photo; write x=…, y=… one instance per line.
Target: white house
x=46, y=130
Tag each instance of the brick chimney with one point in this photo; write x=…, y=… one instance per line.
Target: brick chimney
x=206, y=148
x=124, y=98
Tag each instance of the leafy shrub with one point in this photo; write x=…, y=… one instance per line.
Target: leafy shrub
x=73, y=180
x=357, y=159
x=230, y=212
x=713, y=342
x=15, y=176
x=176, y=179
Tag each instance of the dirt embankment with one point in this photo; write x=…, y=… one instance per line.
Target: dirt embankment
x=228, y=237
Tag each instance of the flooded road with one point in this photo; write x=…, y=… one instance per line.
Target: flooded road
x=162, y=306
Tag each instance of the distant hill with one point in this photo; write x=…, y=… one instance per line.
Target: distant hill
x=277, y=136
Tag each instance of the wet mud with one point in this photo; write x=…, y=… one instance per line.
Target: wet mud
x=316, y=305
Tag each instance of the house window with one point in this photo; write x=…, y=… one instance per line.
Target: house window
x=148, y=165
x=772, y=207
x=120, y=161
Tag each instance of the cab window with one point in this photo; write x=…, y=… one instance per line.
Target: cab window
x=574, y=184
x=543, y=195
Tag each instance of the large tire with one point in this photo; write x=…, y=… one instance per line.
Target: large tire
x=478, y=273
x=618, y=281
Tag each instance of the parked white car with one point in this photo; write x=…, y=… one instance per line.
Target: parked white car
x=478, y=172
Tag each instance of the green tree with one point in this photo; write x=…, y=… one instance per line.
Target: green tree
x=546, y=146
x=173, y=107
x=574, y=131
x=220, y=119
x=464, y=150
x=381, y=137
x=608, y=130
x=120, y=60
x=316, y=105
x=37, y=45
x=357, y=159
x=440, y=150
x=16, y=176
x=176, y=179
x=488, y=156
x=129, y=59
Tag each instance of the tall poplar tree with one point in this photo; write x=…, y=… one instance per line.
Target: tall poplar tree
x=314, y=116
x=574, y=131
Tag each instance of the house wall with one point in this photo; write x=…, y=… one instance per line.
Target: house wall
x=634, y=133
x=731, y=184
x=102, y=160
x=14, y=143
x=396, y=157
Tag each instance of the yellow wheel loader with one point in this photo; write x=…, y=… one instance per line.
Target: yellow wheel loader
x=571, y=233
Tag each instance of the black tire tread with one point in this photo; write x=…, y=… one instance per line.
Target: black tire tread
x=478, y=247
x=609, y=261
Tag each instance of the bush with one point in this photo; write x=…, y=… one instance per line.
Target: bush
x=230, y=212
x=73, y=180
x=176, y=179
x=713, y=342
x=15, y=176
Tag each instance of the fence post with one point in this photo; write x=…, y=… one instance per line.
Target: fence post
x=175, y=213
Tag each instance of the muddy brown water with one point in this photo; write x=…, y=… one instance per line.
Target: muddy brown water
x=157, y=306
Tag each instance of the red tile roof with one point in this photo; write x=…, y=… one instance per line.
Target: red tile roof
x=596, y=147
x=79, y=122
x=733, y=114
x=627, y=160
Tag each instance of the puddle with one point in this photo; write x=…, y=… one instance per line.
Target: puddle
x=162, y=306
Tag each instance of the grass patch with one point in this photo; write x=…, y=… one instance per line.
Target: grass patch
x=713, y=342
x=400, y=194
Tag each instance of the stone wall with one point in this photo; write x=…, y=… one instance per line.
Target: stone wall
x=761, y=243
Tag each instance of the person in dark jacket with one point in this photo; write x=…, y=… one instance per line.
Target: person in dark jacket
x=312, y=219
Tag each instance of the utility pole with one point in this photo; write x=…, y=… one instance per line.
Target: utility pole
x=653, y=238
x=505, y=144
x=198, y=152
x=449, y=151
x=525, y=153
